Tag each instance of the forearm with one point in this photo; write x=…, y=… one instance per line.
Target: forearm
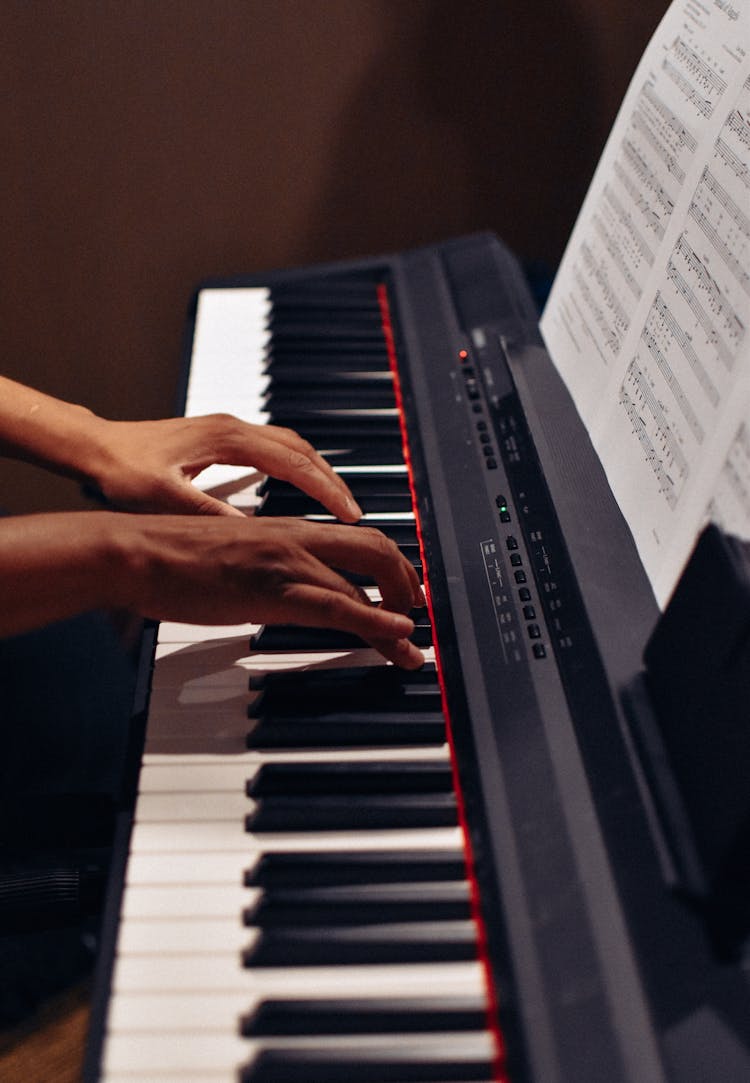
x=55, y=566
x=38, y=428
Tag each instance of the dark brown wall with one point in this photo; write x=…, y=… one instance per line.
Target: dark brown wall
x=149, y=144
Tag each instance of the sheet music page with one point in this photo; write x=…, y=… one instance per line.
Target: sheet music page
x=648, y=317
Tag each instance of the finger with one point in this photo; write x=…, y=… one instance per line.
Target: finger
x=186, y=499
x=402, y=652
x=283, y=454
x=368, y=552
x=322, y=607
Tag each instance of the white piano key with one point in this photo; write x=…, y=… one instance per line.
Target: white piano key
x=166, y=867
x=222, y=972
x=187, y=936
x=199, y=634
x=180, y=1011
x=185, y=901
x=187, y=1053
x=160, y=772
x=193, y=807
x=214, y=836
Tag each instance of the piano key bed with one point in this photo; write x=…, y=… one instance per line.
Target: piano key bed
x=298, y=904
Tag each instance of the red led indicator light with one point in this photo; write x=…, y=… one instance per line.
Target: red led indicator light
x=463, y=354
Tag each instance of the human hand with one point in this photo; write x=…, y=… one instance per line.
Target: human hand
x=277, y=570
x=149, y=466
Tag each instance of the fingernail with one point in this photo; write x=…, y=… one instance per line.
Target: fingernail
x=419, y=599
x=353, y=508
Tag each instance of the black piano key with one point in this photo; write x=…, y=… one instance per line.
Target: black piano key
x=298, y=503
x=420, y=728
x=292, y=637
x=279, y=399
x=371, y=777
x=420, y=1064
x=327, y=432
x=356, y=945
x=288, y=362
x=363, y=482
x=349, y=812
x=354, y=689
x=366, y=1015
x=361, y=904
x=399, y=1063
x=300, y=377
x=293, y=869
x=388, y=452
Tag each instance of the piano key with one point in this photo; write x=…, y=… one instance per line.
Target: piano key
x=296, y=503
x=347, y=731
x=276, y=869
x=371, y=777
x=451, y=1059
x=301, y=377
x=360, y=904
x=350, y=685
x=410, y=942
x=366, y=1015
x=347, y=812
x=284, y=637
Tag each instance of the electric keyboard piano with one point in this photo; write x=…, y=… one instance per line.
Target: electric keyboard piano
x=339, y=872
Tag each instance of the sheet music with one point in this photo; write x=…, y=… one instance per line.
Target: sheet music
x=649, y=314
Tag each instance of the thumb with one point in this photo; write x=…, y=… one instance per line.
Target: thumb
x=195, y=502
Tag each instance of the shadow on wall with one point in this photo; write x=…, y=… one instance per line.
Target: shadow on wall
x=472, y=117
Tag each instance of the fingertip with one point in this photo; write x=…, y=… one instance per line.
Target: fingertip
x=354, y=512
x=404, y=654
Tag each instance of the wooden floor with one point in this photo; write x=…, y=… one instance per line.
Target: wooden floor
x=49, y=1047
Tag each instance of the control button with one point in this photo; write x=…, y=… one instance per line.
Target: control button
x=484, y=437
x=476, y=407
x=524, y=594
x=520, y=577
x=487, y=450
x=481, y=425
x=504, y=516
x=516, y=560
x=511, y=542
x=529, y=612
x=534, y=631
x=539, y=650
x=502, y=503
x=491, y=464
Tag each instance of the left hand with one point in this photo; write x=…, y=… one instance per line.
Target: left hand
x=149, y=466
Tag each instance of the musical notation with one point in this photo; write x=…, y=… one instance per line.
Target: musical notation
x=651, y=341
x=624, y=239
x=700, y=210
x=697, y=81
x=660, y=448
x=649, y=183
x=650, y=214
x=680, y=336
x=618, y=321
x=660, y=148
x=733, y=160
x=610, y=339
x=713, y=336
